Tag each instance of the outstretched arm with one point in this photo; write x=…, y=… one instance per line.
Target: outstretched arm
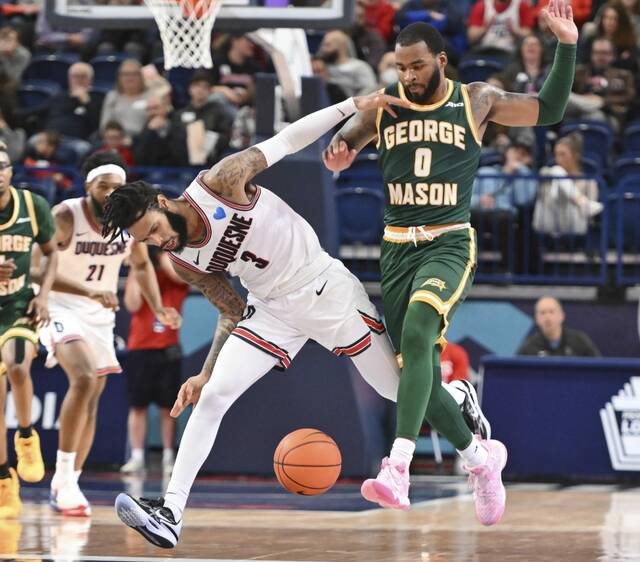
x=231, y=174
x=520, y=110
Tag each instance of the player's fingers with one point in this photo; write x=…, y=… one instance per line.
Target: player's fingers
x=569, y=12
x=561, y=9
x=30, y=307
x=390, y=111
x=397, y=101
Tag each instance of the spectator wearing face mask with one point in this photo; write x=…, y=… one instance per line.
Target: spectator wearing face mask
x=353, y=75
x=387, y=69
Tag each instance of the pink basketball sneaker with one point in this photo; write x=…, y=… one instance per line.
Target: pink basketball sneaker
x=391, y=487
x=486, y=480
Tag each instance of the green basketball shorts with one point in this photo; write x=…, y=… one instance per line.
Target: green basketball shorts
x=438, y=272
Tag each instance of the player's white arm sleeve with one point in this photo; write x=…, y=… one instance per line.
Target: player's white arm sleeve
x=306, y=130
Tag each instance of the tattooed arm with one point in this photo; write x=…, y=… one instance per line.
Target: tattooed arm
x=220, y=294
x=489, y=103
x=223, y=296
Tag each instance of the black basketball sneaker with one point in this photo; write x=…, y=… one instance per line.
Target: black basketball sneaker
x=150, y=518
x=473, y=416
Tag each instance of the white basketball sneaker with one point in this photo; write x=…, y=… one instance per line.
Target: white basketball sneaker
x=67, y=499
x=133, y=466
x=150, y=518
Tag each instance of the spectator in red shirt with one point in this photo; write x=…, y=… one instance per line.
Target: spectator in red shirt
x=153, y=362
x=379, y=15
x=454, y=363
x=114, y=139
x=496, y=26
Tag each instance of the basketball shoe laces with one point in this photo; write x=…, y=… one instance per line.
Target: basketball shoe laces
x=157, y=507
x=395, y=473
x=488, y=488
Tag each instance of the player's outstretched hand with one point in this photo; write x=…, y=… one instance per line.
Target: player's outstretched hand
x=189, y=394
x=559, y=18
x=169, y=317
x=377, y=101
x=338, y=156
x=39, y=311
x=6, y=269
x=108, y=299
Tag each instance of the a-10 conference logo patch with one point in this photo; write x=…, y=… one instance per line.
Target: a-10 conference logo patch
x=621, y=423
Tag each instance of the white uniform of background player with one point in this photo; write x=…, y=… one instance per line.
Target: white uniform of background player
x=80, y=335
x=95, y=263
x=296, y=290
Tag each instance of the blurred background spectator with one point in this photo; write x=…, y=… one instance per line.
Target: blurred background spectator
x=379, y=15
x=208, y=119
x=495, y=26
x=14, y=58
x=334, y=91
x=353, y=75
x=369, y=44
x=115, y=139
x=565, y=206
x=552, y=338
x=127, y=102
x=76, y=112
x=162, y=141
x=153, y=363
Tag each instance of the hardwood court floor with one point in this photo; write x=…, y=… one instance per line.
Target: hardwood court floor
x=542, y=523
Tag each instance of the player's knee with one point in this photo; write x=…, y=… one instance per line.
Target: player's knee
x=216, y=399
x=83, y=381
x=421, y=329
x=18, y=373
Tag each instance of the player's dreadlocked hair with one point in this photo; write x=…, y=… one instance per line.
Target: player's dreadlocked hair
x=97, y=159
x=421, y=31
x=126, y=205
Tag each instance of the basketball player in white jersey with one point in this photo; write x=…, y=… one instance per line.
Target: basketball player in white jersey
x=225, y=223
x=82, y=305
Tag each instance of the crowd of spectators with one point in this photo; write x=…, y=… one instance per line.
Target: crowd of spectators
x=152, y=121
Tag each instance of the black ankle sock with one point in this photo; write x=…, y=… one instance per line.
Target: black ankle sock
x=25, y=432
x=4, y=471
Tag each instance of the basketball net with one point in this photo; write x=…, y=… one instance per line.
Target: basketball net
x=185, y=29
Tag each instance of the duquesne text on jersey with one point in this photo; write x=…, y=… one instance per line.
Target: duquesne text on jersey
x=230, y=243
x=93, y=248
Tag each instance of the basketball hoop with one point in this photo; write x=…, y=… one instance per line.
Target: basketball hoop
x=185, y=29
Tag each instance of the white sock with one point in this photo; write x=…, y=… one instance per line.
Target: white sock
x=137, y=455
x=167, y=456
x=475, y=454
x=76, y=474
x=402, y=450
x=65, y=465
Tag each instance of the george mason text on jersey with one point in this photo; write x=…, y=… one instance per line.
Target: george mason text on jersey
x=423, y=131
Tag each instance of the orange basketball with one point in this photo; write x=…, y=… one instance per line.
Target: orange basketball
x=307, y=462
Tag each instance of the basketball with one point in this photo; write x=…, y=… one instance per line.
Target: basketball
x=307, y=462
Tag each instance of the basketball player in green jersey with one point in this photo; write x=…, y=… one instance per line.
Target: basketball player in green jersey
x=25, y=219
x=429, y=155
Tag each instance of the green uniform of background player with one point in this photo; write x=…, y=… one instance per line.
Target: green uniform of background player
x=25, y=219
x=429, y=155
